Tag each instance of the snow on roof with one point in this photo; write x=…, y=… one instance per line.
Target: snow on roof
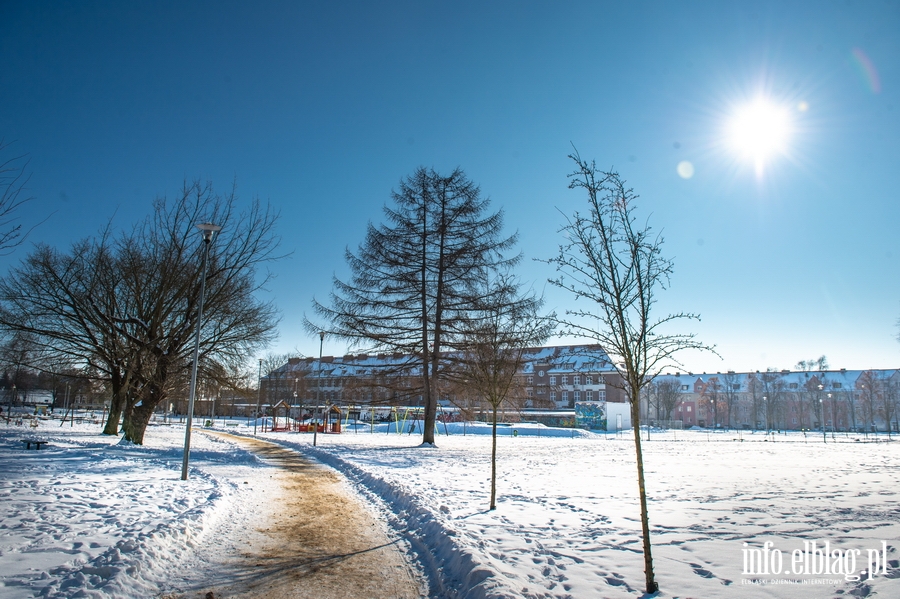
x=793, y=379
x=554, y=358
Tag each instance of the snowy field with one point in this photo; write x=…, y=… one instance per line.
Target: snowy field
x=87, y=516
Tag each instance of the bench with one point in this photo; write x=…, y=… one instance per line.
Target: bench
x=36, y=442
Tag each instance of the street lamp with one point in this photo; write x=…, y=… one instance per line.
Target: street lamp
x=318, y=388
x=208, y=230
x=833, y=417
x=258, y=395
x=822, y=408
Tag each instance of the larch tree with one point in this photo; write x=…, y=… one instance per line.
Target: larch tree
x=616, y=267
x=414, y=279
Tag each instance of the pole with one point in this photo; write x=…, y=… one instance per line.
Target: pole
x=208, y=231
x=318, y=387
x=258, y=395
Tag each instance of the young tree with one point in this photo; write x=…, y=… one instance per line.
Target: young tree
x=617, y=267
x=773, y=396
x=731, y=387
x=493, y=350
x=666, y=392
x=712, y=397
x=809, y=395
x=414, y=280
x=891, y=402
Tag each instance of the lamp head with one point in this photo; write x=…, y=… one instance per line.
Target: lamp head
x=208, y=230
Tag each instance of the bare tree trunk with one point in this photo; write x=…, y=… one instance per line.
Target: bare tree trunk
x=652, y=587
x=135, y=426
x=116, y=405
x=494, y=461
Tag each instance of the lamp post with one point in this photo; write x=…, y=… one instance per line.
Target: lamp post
x=833, y=417
x=258, y=395
x=318, y=388
x=822, y=410
x=208, y=230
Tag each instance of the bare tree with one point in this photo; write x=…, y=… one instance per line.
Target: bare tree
x=891, y=404
x=712, y=397
x=494, y=343
x=773, y=396
x=667, y=395
x=809, y=395
x=413, y=280
x=126, y=306
x=13, y=181
x=755, y=389
x=616, y=265
x=870, y=392
x=731, y=388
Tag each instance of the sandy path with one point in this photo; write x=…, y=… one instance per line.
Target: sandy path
x=318, y=542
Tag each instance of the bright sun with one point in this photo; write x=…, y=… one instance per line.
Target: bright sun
x=759, y=131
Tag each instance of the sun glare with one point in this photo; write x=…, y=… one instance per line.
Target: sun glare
x=759, y=131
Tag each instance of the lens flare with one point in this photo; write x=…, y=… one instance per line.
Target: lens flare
x=759, y=131
x=685, y=169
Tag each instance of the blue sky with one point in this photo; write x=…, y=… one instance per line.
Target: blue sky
x=321, y=108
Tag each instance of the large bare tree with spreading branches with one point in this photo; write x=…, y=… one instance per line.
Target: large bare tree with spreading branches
x=14, y=178
x=124, y=306
x=615, y=265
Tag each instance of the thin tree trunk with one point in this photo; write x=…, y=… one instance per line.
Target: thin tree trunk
x=494, y=462
x=652, y=587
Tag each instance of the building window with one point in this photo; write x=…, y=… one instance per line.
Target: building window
x=689, y=408
x=577, y=395
x=540, y=373
x=588, y=379
x=540, y=391
x=684, y=387
x=552, y=380
x=553, y=396
x=529, y=380
x=565, y=396
x=565, y=379
x=576, y=380
x=793, y=385
x=835, y=385
x=736, y=387
x=589, y=395
x=601, y=395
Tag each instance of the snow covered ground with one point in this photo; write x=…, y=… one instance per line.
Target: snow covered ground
x=87, y=513
x=87, y=516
